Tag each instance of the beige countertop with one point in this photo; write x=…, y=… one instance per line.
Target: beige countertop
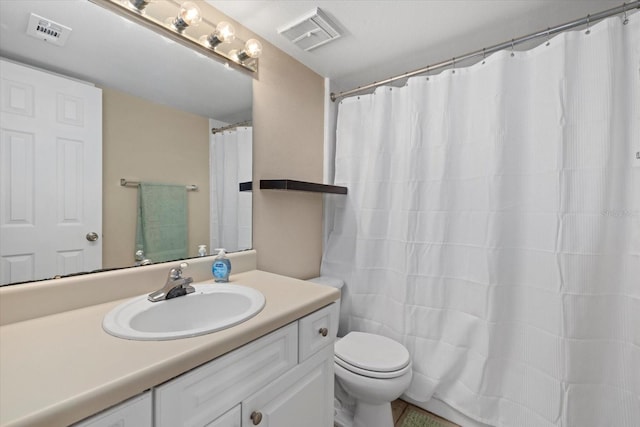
x=60, y=368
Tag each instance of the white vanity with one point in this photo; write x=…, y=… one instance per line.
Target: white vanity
x=281, y=379
x=275, y=369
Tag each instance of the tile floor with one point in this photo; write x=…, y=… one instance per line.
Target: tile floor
x=399, y=407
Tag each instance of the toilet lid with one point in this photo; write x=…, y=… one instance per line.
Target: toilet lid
x=371, y=352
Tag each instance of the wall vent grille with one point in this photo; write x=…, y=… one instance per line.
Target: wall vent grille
x=311, y=30
x=47, y=30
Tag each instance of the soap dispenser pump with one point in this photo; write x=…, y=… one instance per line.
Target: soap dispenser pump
x=221, y=267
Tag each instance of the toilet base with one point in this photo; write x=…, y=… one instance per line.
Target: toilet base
x=370, y=415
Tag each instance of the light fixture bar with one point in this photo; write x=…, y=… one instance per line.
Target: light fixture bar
x=138, y=17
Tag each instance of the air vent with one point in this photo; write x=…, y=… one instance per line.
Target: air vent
x=47, y=30
x=311, y=30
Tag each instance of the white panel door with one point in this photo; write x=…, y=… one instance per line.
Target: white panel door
x=50, y=174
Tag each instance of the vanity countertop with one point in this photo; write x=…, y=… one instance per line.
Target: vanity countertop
x=61, y=368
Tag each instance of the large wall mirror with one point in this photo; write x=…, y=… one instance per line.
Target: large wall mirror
x=159, y=103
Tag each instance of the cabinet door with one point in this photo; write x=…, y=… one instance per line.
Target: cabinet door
x=205, y=393
x=302, y=397
x=230, y=419
x=317, y=330
x=135, y=412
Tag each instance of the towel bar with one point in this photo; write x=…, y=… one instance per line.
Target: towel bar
x=126, y=183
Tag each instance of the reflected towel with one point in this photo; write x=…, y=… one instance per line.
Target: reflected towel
x=161, y=230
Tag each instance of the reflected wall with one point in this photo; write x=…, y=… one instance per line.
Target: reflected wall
x=145, y=141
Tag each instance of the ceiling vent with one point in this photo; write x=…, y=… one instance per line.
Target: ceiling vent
x=311, y=30
x=47, y=30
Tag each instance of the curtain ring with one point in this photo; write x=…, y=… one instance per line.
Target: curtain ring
x=512, y=54
x=625, y=20
x=548, y=41
x=484, y=55
x=588, y=25
x=453, y=66
x=427, y=72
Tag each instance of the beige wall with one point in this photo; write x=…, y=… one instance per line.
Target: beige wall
x=288, y=120
x=288, y=137
x=144, y=141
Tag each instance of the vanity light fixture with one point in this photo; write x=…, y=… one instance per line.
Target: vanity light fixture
x=186, y=22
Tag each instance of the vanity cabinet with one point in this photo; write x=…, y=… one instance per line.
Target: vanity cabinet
x=282, y=379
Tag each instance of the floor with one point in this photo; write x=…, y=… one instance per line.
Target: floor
x=399, y=409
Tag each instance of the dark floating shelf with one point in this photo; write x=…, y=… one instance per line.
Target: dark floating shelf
x=291, y=185
x=246, y=186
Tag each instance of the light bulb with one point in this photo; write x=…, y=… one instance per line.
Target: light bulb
x=252, y=49
x=189, y=16
x=225, y=32
x=190, y=13
x=233, y=55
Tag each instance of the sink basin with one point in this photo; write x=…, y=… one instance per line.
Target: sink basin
x=212, y=307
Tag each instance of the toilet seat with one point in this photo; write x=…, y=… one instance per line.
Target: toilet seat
x=372, y=355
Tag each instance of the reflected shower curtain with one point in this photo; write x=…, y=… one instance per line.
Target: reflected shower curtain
x=231, y=163
x=492, y=226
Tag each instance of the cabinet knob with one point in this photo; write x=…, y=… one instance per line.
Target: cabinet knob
x=256, y=417
x=323, y=332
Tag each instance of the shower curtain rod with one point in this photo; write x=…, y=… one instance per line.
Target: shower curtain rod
x=588, y=20
x=233, y=126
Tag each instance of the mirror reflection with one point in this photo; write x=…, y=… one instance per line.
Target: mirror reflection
x=157, y=105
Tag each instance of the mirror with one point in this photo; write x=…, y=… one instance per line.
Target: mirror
x=160, y=102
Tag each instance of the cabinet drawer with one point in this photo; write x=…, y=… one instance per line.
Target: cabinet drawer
x=317, y=330
x=135, y=412
x=230, y=419
x=200, y=396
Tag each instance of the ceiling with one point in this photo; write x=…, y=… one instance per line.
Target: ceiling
x=386, y=38
x=380, y=39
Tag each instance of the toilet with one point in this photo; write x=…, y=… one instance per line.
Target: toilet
x=372, y=369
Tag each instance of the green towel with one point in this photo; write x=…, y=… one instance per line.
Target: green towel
x=161, y=230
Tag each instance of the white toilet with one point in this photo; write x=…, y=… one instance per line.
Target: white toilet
x=374, y=370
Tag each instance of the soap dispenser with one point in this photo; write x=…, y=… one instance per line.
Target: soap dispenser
x=202, y=250
x=221, y=267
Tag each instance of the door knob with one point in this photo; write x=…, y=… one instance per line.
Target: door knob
x=92, y=236
x=256, y=417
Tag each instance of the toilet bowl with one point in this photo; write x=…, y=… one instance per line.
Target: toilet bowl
x=372, y=369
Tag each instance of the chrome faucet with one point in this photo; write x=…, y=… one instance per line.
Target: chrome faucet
x=140, y=259
x=176, y=285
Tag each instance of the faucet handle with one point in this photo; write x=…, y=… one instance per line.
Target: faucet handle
x=176, y=272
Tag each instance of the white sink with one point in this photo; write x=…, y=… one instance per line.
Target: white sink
x=212, y=307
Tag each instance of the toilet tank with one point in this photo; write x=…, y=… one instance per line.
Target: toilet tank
x=338, y=284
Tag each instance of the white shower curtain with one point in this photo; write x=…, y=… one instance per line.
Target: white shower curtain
x=231, y=163
x=492, y=226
